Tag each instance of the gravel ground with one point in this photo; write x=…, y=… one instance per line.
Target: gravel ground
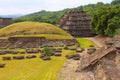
x=99, y=44
x=67, y=72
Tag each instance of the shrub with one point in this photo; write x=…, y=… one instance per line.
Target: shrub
x=47, y=51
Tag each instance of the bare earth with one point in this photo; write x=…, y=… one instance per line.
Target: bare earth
x=67, y=72
x=97, y=42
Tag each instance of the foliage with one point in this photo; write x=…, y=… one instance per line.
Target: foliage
x=115, y=2
x=106, y=20
x=91, y=8
x=53, y=16
x=117, y=31
x=47, y=51
x=42, y=16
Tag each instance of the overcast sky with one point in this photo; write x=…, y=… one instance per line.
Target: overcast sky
x=30, y=6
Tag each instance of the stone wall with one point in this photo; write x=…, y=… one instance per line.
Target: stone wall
x=5, y=22
x=25, y=42
x=3, y=42
x=60, y=42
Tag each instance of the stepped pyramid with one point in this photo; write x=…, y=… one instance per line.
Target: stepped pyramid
x=77, y=23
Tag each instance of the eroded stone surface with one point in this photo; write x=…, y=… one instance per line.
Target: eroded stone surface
x=68, y=71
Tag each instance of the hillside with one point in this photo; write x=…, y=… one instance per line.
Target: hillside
x=53, y=16
x=11, y=15
x=42, y=16
x=33, y=29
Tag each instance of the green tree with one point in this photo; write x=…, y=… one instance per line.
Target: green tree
x=106, y=20
x=115, y=2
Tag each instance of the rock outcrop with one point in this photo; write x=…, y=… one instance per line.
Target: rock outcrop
x=104, y=62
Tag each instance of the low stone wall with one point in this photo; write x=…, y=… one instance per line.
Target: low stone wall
x=26, y=39
x=3, y=42
x=26, y=42
x=59, y=42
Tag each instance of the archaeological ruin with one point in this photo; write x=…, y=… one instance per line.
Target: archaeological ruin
x=104, y=62
x=5, y=22
x=34, y=42
x=34, y=35
x=77, y=23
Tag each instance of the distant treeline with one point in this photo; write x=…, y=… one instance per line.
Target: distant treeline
x=42, y=16
x=53, y=16
x=105, y=17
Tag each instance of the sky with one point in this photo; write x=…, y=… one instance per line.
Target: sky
x=29, y=6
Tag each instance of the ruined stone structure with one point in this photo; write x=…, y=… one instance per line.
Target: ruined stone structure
x=5, y=22
x=104, y=62
x=33, y=42
x=77, y=23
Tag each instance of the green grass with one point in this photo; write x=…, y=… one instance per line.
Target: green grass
x=32, y=69
x=36, y=69
x=33, y=29
x=47, y=36
x=85, y=43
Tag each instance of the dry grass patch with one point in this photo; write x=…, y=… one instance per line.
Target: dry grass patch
x=31, y=28
x=32, y=69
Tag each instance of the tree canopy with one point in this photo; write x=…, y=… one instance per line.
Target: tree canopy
x=115, y=2
x=106, y=20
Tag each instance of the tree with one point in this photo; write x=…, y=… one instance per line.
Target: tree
x=113, y=25
x=106, y=20
x=115, y=2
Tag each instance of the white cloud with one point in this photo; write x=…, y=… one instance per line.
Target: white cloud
x=29, y=6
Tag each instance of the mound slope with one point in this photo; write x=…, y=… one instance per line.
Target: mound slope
x=33, y=29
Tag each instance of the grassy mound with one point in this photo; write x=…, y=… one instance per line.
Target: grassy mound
x=33, y=29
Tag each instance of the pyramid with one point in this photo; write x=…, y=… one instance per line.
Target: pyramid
x=77, y=23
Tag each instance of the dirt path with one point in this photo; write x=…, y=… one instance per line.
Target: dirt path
x=67, y=72
x=96, y=42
